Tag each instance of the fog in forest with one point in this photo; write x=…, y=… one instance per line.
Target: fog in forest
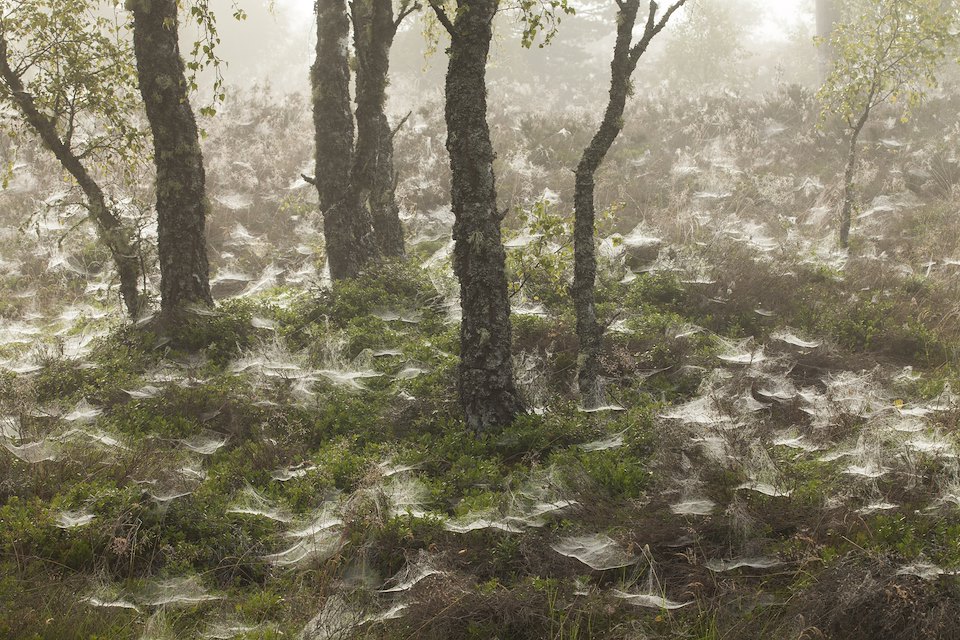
x=773, y=43
x=465, y=319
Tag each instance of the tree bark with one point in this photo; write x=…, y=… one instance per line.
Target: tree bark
x=386, y=211
x=849, y=190
x=347, y=228
x=589, y=331
x=487, y=389
x=181, y=191
x=110, y=228
x=373, y=180
x=626, y=55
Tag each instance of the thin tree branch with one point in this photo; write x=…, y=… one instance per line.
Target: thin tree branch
x=653, y=27
x=400, y=124
x=405, y=10
x=443, y=17
x=666, y=16
x=651, y=18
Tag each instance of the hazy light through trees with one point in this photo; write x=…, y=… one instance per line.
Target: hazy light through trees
x=511, y=319
x=276, y=47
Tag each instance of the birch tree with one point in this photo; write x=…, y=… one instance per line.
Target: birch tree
x=626, y=54
x=886, y=52
x=488, y=392
x=67, y=72
x=355, y=176
x=181, y=180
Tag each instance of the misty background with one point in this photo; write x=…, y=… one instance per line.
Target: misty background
x=750, y=47
x=772, y=450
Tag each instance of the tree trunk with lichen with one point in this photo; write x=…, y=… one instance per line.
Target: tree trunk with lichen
x=116, y=236
x=626, y=55
x=373, y=179
x=386, y=211
x=589, y=331
x=181, y=182
x=487, y=389
x=849, y=186
x=347, y=228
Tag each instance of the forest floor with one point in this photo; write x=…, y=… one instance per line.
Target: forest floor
x=777, y=457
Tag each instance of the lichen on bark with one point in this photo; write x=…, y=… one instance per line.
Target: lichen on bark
x=373, y=179
x=487, y=389
x=181, y=181
x=347, y=228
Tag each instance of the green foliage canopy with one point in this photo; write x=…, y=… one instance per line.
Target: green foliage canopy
x=74, y=58
x=886, y=52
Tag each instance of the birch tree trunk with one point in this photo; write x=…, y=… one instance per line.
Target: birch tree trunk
x=181, y=181
x=373, y=181
x=118, y=238
x=347, y=228
x=487, y=389
x=626, y=55
x=849, y=188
